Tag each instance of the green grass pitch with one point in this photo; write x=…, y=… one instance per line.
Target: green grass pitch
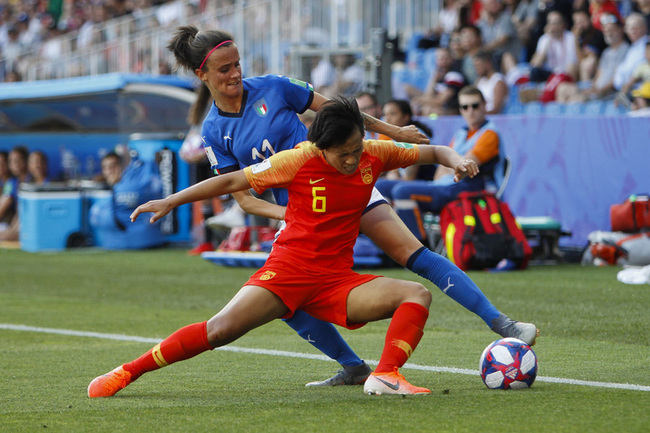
x=594, y=331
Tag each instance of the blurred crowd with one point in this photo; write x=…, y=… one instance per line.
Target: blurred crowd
x=34, y=25
x=565, y=51
x=543, y=50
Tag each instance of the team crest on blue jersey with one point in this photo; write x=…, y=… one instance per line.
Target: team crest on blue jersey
x=261, y=108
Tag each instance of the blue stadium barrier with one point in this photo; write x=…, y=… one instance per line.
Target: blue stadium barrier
x=572, y=168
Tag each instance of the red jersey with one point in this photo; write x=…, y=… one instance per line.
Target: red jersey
x=325, y=206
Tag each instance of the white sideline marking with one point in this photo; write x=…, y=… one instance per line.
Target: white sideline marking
x=137, y=339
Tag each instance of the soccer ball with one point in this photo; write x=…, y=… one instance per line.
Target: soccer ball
x=508, y=363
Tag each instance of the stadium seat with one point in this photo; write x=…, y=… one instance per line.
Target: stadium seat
x=515, y=107
x=574, y=109
x=533, y=108
x=419, y=78
x=611, y=109
x=554, y=108
x=594, y=108
x=429, y=60
x=414, y=58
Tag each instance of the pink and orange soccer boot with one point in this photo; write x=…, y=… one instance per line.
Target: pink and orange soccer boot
x=108, y=384
x=391, y=383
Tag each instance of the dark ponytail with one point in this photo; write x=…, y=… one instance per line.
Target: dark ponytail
x=190, y=46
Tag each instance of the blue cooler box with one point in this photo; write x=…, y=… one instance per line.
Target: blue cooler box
x=49, y=216
x=90, y=196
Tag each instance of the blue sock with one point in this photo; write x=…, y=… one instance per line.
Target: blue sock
x=324, y=337
x=453, y=282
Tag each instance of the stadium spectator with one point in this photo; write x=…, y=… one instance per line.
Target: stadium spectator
x=492, y=84
x=9, y=198
x=498, y=34
x=598, y=8
x=37, y=168
x=590, y=43
x=602, y=85
x=478, y=140
x=398, y=112
x=448, y=21
x=641, y=73
x=111, y=169
x=5, y=174
x=322, y=73
x=637, y=32
x=523, y=14
x=555, y=61
x=441, y=94
x=13, y=76
x=214, y=58
x=538, y=27
x=545, y=7
x=350, y=76
x=12, y=49
x=556, y=51
x=641, y=101
x=469, y=12
x=643, y=8
x=455, y=48
x=470, y=42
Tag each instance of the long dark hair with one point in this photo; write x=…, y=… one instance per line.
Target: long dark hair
x=335, y=123
x=190, y=46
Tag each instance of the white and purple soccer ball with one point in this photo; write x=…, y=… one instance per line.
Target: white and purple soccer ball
x=508, y=363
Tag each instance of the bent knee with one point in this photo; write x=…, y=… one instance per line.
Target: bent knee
x=221, y=332
x=419, y=294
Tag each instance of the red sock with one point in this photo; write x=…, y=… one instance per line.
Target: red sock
x=183, y=344
x=403, y=335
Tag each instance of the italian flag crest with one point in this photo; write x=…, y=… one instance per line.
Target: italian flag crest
x=261, y=107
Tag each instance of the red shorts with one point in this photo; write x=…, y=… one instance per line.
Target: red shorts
x=321, y=293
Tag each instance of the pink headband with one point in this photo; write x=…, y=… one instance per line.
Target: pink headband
x=212, y=51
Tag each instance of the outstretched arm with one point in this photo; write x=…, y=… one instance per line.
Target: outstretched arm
x=259, y=207
x=448, y=157
x=406, y=134
x=215, y=186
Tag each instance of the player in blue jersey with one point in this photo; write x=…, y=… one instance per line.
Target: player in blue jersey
x=254, y=118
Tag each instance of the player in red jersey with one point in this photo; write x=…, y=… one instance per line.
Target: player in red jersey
x=330, y=180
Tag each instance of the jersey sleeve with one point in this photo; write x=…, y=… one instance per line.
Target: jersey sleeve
x=278, y=171
x=486, y=147
x=296, y=93
x=221, y=160
x=394, y=154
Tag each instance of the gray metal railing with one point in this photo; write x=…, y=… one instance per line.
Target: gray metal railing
x=267, y=32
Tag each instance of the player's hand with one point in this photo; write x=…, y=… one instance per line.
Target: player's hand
x=160, y=208
x=466, y=167
x=411, y=134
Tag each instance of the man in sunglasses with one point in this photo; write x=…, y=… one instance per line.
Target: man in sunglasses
x=479, y=141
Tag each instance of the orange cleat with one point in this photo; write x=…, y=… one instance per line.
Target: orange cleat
x=110, y=383
x=391, y=383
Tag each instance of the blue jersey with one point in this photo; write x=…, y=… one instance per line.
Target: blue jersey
x=266, y=124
